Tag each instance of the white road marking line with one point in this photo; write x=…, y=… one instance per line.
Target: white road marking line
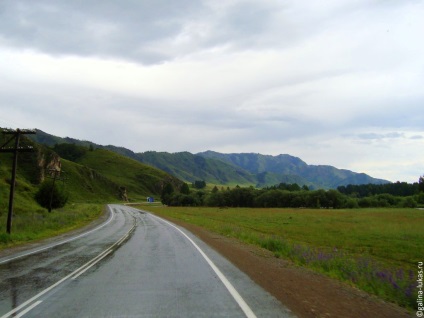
x=237, y=297
x=112, y=214
x=75, y=272
x=13, y=311
x=28, y=309
x=91, y=265
x=102, y=255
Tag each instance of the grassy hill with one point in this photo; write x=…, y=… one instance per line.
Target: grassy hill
x=139, y=179
x=92, y=178
x=32, y=222
x=189, y=167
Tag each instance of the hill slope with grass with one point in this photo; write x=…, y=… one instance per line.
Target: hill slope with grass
x=90, y=174
x=140, y=180
x=189, y=167
x=89, y=177
x=182, y=165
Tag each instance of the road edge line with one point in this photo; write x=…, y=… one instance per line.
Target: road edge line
x=231, y=289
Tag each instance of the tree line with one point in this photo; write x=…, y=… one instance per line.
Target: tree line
x=401, y=189
x=294, y=196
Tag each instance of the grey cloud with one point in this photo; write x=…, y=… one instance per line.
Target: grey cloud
x=143, y=31
x=105, y=28
x=247, y=24
x=416, y=137
x=372, y=136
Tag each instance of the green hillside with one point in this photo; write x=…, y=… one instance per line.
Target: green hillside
x=139, y=179
x=189, y=167
x=95, y=176
x=32, y=222
x=49, y=140
x=92, y=178
x=182, y=165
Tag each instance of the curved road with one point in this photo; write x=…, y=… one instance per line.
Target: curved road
x=134, y=265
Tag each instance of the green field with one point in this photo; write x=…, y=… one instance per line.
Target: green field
x=376, y=250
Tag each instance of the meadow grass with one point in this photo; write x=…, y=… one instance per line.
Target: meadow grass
x=376, y=250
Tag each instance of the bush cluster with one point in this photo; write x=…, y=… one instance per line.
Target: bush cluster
x=50, y=191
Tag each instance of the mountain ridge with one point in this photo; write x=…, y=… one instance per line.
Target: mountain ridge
x=235, y=168
x=324, y=175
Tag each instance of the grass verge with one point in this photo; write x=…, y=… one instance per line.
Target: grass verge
x=40, y=224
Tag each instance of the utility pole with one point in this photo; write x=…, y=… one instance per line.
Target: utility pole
x=56, y=173
x=16, y=134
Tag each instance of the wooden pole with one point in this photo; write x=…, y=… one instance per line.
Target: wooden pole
x=13, y=182
x=16, y=134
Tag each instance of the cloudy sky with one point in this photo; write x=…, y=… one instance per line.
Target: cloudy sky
x=334, y=82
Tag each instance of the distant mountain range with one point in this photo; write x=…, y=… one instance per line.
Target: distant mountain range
x=231, y=169
x=289, y=169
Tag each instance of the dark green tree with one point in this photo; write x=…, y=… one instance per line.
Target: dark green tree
x=219, y=199
x=199, y=184
x=70, y=152
x=185, y=189
x=421, y=184
x=49, y=191
x=166, y=194
x=180, y=199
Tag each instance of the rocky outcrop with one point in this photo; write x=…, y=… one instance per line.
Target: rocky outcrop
x=48, y=163
x=123, y=194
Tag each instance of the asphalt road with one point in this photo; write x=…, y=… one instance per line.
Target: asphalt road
x=133, y=265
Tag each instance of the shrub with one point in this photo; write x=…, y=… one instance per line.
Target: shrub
x=408, y=202
x=181, y=199
x=50, y=191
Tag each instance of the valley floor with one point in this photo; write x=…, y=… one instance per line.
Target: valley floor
x=305, y=293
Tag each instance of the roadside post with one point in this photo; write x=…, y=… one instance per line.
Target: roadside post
x=16, y=134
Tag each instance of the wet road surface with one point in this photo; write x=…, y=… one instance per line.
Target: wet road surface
x=134, y=265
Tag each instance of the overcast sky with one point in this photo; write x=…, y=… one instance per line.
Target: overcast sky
x=334, y=82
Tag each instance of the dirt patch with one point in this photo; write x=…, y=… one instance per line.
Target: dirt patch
x=304, y=292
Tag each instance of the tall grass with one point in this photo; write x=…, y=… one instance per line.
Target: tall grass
x=390, y=283
x=375, y=250
x=39, y=224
